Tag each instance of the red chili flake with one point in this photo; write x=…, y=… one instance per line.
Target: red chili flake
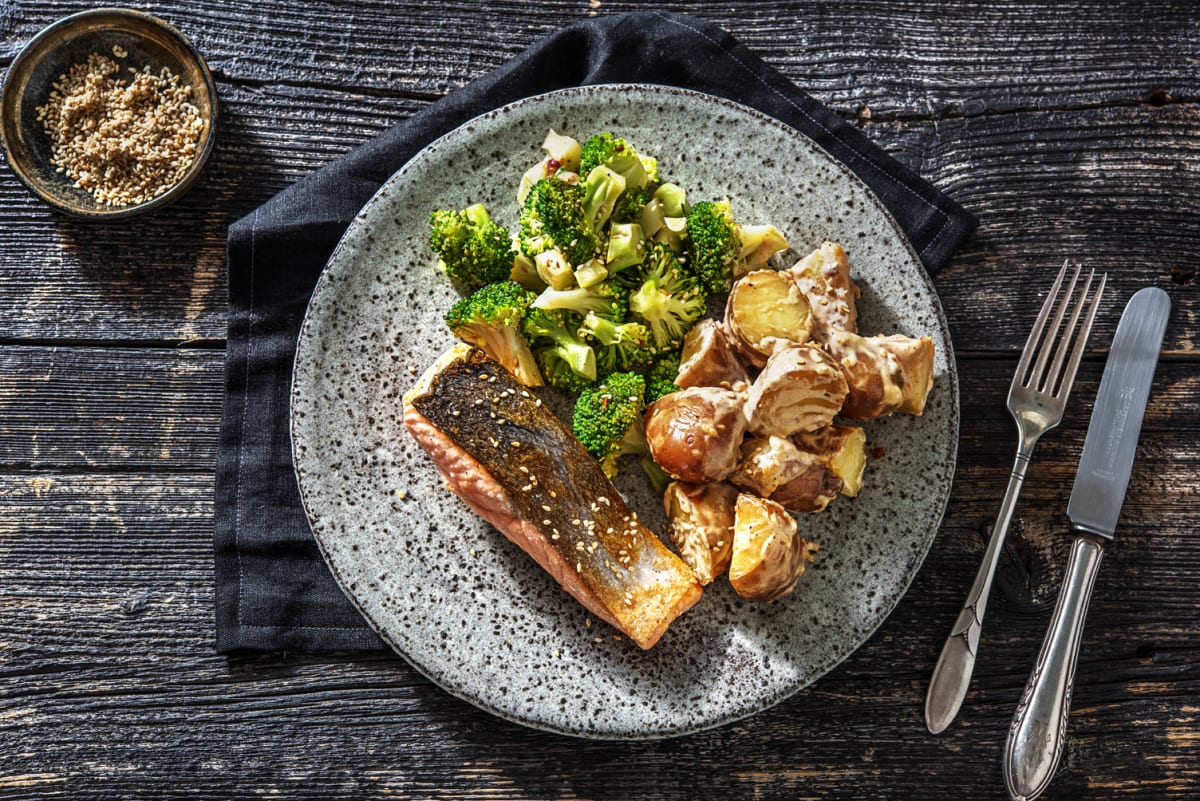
x=618, y=148
x=553, y=164
x=877, y=453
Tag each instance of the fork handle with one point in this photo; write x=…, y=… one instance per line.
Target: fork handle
x=952, y=674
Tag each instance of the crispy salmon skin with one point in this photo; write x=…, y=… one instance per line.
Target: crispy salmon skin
x=511, y=460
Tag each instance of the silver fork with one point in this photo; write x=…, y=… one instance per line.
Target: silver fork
x=1036, y=401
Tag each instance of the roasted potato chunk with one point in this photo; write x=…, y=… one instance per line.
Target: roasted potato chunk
x=708, y=360
x=800, y=389
x=886, y=374
x=774, y=468
x=767, y=463
x=695, y=434
x=824, y=278
x=811, y=491
x=700, y=524
x=769, y=555
x=843, y=449
x=765, y=312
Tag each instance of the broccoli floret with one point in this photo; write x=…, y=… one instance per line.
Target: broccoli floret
x=559, y=373
x=660, y=378
x=626, y=247
x=608, y=419
x=616, y=154
x=567, y=361
x=601, y=189
x=669, y=300
x=553, y=217
x=630, y=204
x=606, y=299
x=472, y=249
x=490, y=319
x=618, y=346
x=759, y=244
x=673, y=200
x=713, y=244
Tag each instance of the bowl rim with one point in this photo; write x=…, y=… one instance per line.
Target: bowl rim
x=31, y=48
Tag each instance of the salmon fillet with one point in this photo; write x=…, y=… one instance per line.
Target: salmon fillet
x=515, y=464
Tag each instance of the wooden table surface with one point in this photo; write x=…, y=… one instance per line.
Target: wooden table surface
x=1069, y=130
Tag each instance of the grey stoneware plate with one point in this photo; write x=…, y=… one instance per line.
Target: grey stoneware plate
x=469, y=609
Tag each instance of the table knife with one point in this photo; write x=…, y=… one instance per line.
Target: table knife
x=1038, y=731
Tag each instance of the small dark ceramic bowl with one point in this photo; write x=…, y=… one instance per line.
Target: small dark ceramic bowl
x=148, y=41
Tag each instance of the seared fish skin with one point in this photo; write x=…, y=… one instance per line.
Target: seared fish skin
x=511, y=459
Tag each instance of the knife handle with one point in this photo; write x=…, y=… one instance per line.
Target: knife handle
x=1039, y=728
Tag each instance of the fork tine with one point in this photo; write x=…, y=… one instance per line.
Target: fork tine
x=1030, y=344
x=1064, y=388
x=1046, y=347
x=1077, y=305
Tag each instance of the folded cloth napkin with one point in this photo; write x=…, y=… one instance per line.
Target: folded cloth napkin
x=273, y=590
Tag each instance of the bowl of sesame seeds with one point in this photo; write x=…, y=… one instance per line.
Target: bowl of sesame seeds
x=108, y=114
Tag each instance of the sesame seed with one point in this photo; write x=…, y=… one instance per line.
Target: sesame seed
x=123, y=140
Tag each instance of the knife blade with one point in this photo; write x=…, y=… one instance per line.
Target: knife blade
x=1104, y=467
x=1038, y=732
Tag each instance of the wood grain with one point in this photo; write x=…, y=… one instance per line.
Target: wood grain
x=1069, y=130
x=107, y=675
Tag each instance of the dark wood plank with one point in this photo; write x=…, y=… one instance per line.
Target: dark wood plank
x=1097, y=185
x=109, y=408
x=108, y=683
x=865, y=56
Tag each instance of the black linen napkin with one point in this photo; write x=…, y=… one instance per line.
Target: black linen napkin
x=273, y=590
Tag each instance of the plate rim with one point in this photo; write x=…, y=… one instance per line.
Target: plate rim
x=767, y=702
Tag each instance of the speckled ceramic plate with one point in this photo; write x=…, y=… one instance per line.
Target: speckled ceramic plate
x=470, y=610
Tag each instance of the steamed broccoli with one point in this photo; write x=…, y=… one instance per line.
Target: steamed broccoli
x=608, y=419
x=472, y=249
x=759, y=243
x=630, y=204
x=713, y=244
x=606, y=299
x=566, y=361
x=490, y=318
x=660, y=378
x=601, y=190
x=668, y=300
x=626, y=247
x=619, y=156
x=553, y=217
x=673, y=200
x=620, y=346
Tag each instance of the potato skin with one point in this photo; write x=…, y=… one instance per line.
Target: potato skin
x=811, y=491
x=700, y=524
x=842, y=449
x=885, y=374
x=695, y=434
x=765, y=312
x=769, y=555
x=708, y=360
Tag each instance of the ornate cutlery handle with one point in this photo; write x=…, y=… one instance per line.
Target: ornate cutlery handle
x=952, y=674
x=1039, y=728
